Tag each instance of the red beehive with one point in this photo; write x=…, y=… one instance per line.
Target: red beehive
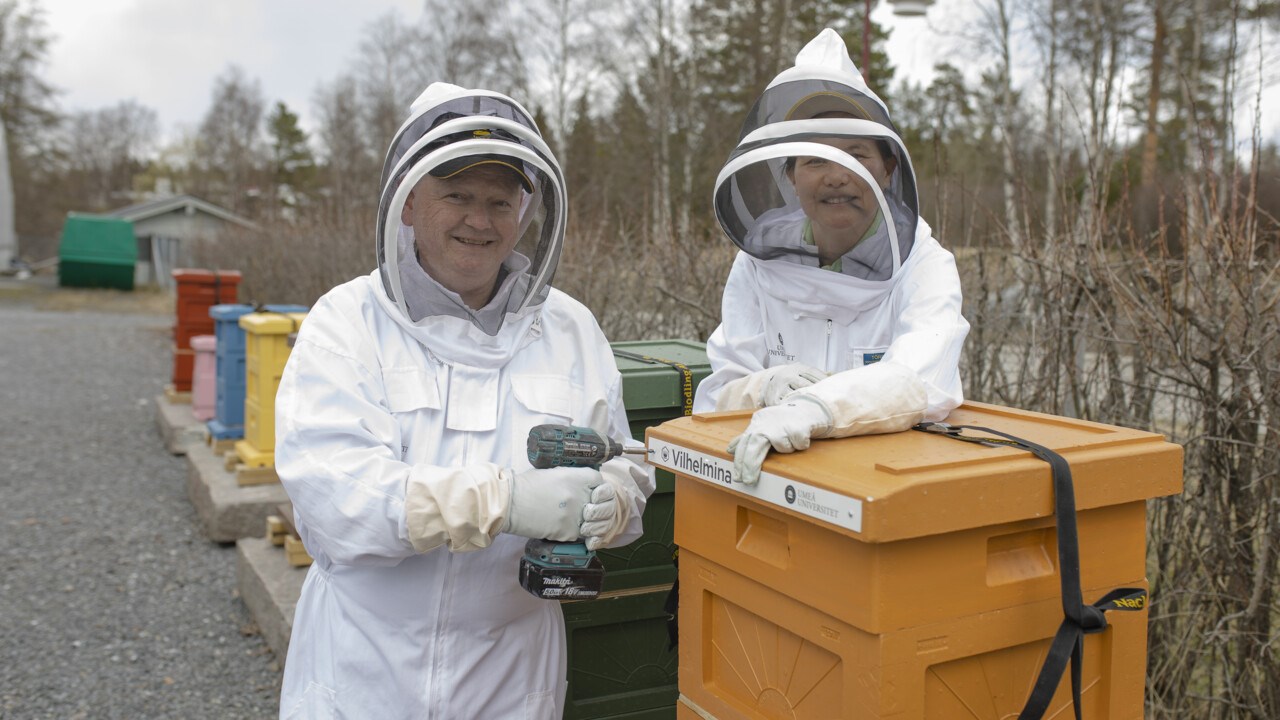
x=198, y=290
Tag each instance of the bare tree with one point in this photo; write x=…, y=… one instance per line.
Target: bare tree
x=30, y=119
x=576, y=42
x=1150, y=138
x=232, y=153
x=474, y=45
x=26, y=97
x=347, y=155
x=998, y=22
x=391, y=72
x=106, y=147
x=1048, y=37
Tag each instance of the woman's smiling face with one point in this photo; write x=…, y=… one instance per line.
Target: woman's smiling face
x=835, y=199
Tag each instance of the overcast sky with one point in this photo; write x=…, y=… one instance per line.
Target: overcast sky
x=166, y=53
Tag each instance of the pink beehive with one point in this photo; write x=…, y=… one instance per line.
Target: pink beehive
x=204, y=377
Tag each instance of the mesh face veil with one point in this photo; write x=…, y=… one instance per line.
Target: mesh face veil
x=450, y=132
x=820, y=176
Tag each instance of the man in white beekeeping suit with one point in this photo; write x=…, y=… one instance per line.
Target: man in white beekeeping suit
x=401, y=422
x=841, y=314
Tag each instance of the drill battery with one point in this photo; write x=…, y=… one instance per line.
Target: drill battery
x=561, y=571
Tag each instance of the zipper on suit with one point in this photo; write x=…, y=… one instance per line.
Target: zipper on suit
x=831, y=366
x=436, y=699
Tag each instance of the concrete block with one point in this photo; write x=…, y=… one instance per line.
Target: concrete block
x=227, y=510
x=269, y=587
x=178, y=427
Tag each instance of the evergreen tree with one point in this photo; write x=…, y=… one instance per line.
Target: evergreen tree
x=294, y=165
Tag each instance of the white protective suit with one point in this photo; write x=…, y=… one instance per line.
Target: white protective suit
x=390, y=433
x=888, y=327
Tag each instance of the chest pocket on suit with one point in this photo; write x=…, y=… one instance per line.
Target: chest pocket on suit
x=409, y=389
x=861, y=357
x=536, y=400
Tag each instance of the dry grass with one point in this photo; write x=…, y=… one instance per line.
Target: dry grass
x=42, y=292
x=148, y=301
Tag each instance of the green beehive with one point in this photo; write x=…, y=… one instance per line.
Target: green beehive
x=658, y=380
x=97, y=252
x=620, y=664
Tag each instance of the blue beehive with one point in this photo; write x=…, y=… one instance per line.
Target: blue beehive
x=228, y=419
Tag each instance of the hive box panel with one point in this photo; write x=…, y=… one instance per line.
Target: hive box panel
x=184, y=361
x=653, y=391
x=903, y=575
x=204, y=377
x=748, y=651
x=229, y=405
x=197, y=291
x=267, y=347
x=648, y=560
x=889, y=586
x=620, y=664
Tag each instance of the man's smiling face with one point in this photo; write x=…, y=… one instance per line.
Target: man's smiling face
x=464, y=226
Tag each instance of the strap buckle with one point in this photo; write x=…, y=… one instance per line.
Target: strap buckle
x=1093, y=620
x=938, y=428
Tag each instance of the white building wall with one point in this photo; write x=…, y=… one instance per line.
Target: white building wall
x=8, y=234
x=170, y=233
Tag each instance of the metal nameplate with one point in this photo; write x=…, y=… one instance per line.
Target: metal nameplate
x=793, y=495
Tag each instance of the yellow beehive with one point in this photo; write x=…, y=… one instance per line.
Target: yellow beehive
x=904, y=576
x=266, y=350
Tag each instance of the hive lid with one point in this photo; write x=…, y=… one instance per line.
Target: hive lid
x=653, y=372
x=199, y=276
x=889, y=487
x=234, y=311
x=204, y=343
x=229, y=311
x=269, y=323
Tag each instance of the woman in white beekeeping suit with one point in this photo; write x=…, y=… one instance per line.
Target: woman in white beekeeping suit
x=841, y=314
x=401, y=423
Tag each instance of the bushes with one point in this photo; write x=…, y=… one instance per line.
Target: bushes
x=1109, y=325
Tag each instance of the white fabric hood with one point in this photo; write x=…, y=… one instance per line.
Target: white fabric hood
x=819, y=119
x=453, y=127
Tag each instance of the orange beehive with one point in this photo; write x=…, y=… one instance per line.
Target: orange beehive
x=907, y=575
x=267, y=346
x=197, y=291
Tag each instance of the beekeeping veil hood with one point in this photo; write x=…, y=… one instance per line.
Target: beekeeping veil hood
x=813, y=111
x=449, y=130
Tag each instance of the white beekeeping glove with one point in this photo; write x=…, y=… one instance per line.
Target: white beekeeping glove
x=768, y=387
x=613, y=503
x=549, y=503
x=880, y=398
x=464, y=508
x=785, y=428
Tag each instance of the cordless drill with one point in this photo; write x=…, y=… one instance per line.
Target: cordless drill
x=565, y=570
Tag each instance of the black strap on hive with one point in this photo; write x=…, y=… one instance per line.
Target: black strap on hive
x=686, y=375
x=1079, y=619
x=671, y=606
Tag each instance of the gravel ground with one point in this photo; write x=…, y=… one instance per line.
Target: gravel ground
x=112, y=605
